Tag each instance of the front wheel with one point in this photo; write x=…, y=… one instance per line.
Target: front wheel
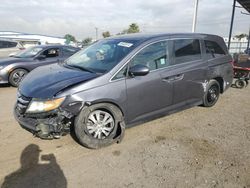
x=17, y=76
x=99, y=125
x=212, y=94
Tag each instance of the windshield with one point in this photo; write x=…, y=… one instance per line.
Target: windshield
x=29, y=52
x=102, y=56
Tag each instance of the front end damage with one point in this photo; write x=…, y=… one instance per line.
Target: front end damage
x=46, y=125
x=55, y=123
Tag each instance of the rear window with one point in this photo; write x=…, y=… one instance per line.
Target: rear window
x=186, y=50
x=7, y=44
x=214, y=49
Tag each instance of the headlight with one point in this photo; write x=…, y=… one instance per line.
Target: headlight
x=37, y=106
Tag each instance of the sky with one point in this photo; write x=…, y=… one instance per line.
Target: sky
x=81, y=17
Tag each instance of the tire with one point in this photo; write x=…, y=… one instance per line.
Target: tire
x=240, y=84
x=16, y=76
x=212, y=94
x=90, y=133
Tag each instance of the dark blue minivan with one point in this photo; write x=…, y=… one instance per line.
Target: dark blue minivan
x=122, y=81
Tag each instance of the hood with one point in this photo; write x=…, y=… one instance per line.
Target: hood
x=11, y=60
x=44, y=82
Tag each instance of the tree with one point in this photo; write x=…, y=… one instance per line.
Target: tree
x=69, y=38
x=86, y=41
x=241, y=36
x=106, y=34
x=133, y=28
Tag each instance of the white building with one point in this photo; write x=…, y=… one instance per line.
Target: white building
x=31, y=39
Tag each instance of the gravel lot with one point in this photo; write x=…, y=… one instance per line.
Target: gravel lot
x=198, y=147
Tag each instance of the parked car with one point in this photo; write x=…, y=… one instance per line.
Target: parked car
x=122, y=81
x=15, y=68
x=8, y=47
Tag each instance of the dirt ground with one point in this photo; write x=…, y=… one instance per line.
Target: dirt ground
x=198, y=147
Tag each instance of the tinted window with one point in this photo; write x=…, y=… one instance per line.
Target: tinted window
x=154, y=56
x=7, y=44
x=186, y=50
x=12, y=44
x=67, y=51
x=214, y=49
x=52, y=52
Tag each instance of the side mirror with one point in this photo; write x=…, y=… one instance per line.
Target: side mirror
x=41, y=57
x=138, y=70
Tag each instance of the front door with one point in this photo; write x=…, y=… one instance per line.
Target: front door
x=149, y=93
x=52, y=55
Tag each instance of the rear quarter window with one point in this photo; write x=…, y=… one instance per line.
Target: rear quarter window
x=7, y=44
x=213, y=49
x=186, y=50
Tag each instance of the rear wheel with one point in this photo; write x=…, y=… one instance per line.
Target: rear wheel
x=17, y=76
x=212, y=94
x=97, y=126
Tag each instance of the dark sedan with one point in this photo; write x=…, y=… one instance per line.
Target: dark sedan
x=15, y=68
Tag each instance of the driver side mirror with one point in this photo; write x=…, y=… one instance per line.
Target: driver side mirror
x=139, y=70
x=41, y=57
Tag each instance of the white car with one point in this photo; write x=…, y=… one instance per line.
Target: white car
x=9, y=47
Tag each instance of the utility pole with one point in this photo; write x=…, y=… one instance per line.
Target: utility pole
x=248, y=42
x=96, y=33
x=195, y=15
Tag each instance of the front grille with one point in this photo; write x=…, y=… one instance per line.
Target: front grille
x=22, y=103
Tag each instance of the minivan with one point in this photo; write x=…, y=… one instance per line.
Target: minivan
x=122, y=81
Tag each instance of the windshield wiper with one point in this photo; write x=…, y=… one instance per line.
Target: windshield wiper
x=81, y=68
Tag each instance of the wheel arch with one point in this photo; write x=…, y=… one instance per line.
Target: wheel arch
x=220, y=80
x=107, y=101
x=15, y=68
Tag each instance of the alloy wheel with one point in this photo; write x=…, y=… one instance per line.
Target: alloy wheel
x=100, y=124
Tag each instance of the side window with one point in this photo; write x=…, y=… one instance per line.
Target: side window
x=2, y=44
x=121, y=74
x=67, y=51
x=214, y=49
x=52, y=52
x=7, y=44
x=154, y=56
x=12, y=44
x=186, y=50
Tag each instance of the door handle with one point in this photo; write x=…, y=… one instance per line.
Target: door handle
x=179, y=77
x=168, y=79
x=173, y=78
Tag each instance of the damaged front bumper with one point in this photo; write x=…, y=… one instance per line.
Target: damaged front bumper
x=45, y=125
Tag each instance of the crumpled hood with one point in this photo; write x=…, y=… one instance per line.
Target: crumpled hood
x=44, y=82
x=11, y=60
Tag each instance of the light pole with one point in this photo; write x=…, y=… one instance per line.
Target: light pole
x=96, y=33
x=195, y=15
